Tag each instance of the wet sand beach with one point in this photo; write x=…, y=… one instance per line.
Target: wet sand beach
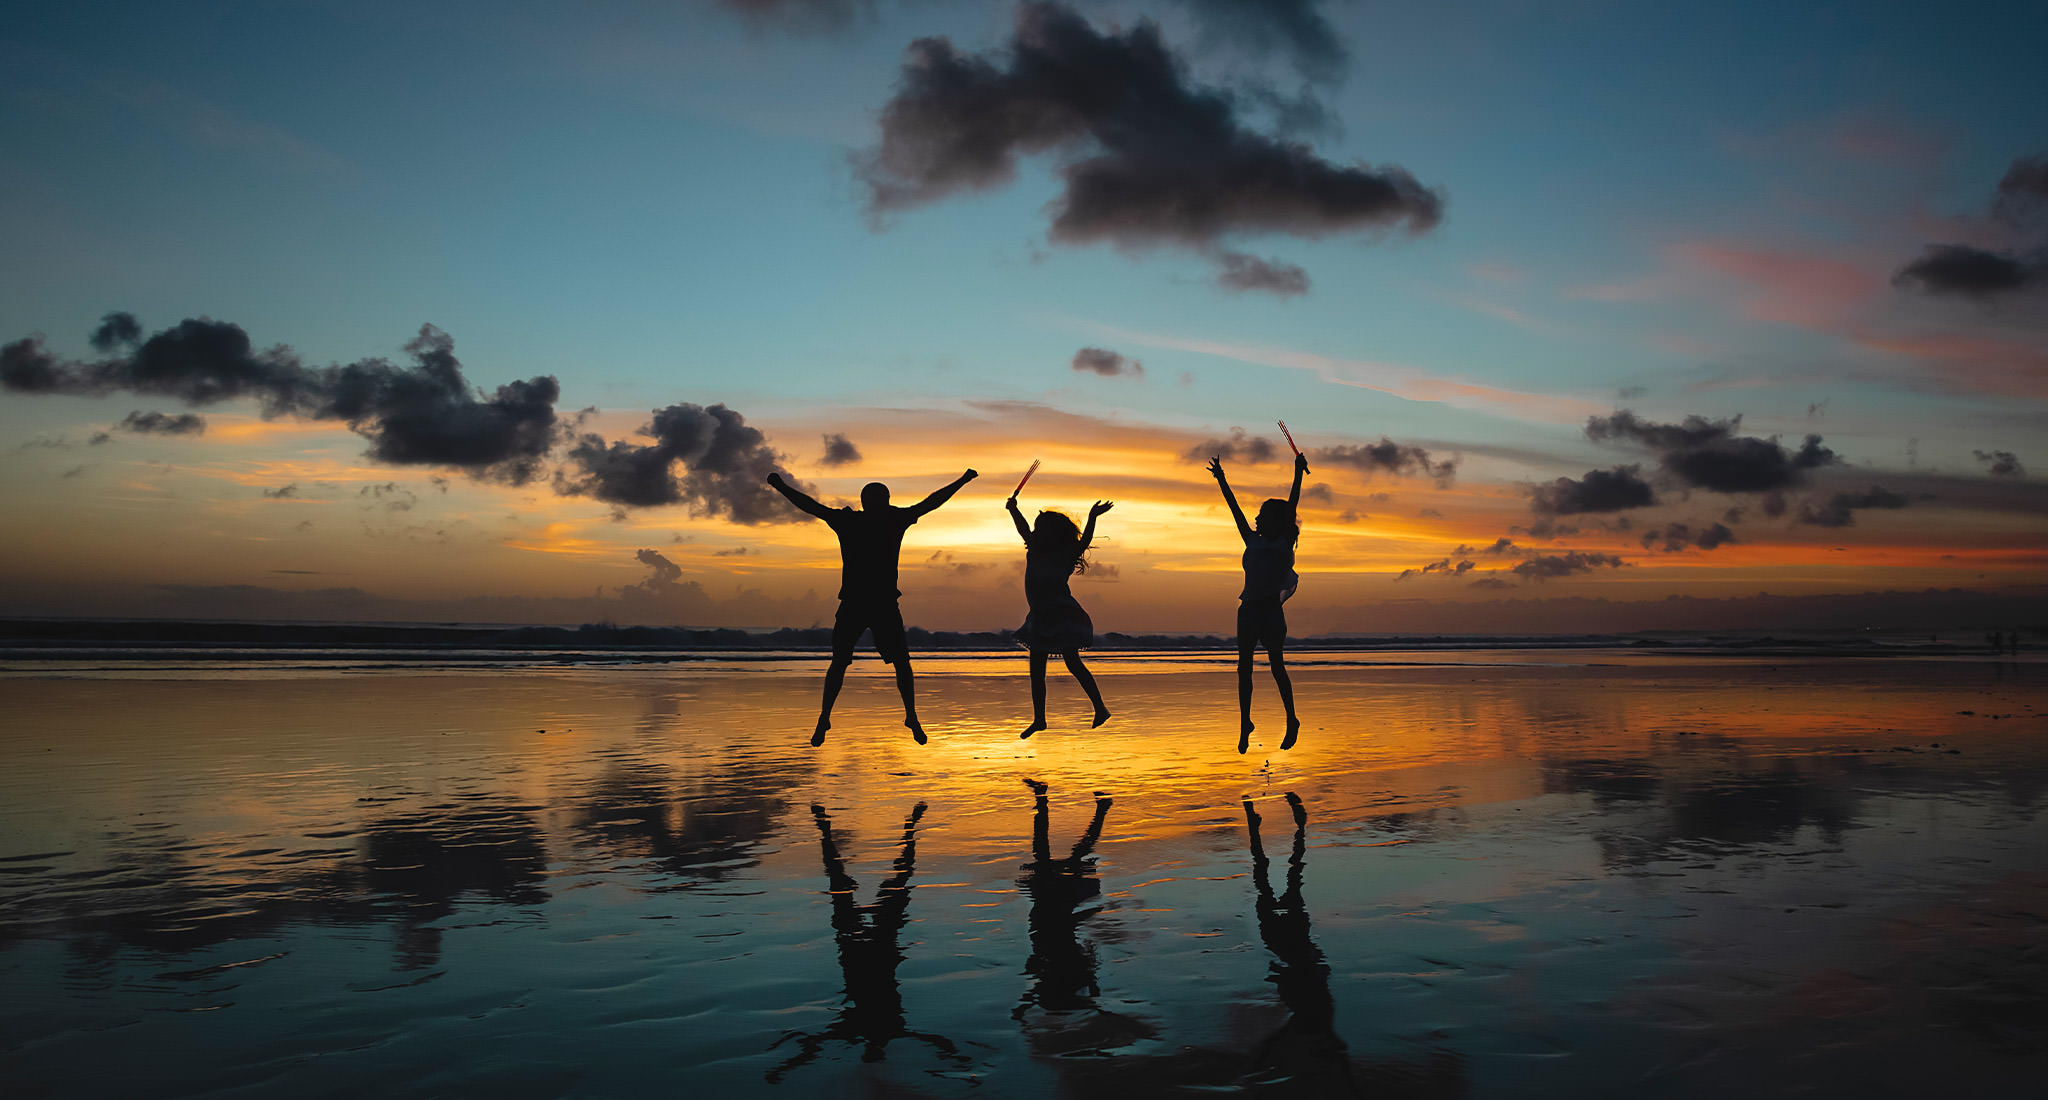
x=1506, y=874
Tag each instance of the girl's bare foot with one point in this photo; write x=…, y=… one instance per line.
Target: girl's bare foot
x=818, y=738
x=1293, y=732
x=1036, y=725
x=1244, y=737
x=1101, y=716
x=916, y=728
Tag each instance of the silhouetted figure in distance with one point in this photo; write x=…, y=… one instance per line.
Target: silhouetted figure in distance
x=1269, y=579
x=872, y=1015
x=1306, y=1049
x=1054, y=551
x=870, y=540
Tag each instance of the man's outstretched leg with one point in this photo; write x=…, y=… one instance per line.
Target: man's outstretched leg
x=906, y=686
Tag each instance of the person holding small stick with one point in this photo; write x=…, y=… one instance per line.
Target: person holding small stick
x=1054, y=551
x=1269, y=579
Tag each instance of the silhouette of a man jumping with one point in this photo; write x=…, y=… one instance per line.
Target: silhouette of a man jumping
x=870, y=540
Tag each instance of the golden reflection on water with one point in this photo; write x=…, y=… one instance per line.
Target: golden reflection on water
x=1464, y=866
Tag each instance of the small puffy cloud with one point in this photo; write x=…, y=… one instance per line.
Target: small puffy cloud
x=1389, y=457
x=1106, y=363
x=1545, y=567
x=1239, y=271
x=1237, y=447
x=2001, y=463
x=839, y=451
x=1614, y=490
x=156, y=423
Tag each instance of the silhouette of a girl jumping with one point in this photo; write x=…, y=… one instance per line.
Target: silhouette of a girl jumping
x=1269, y=578
x=1055, y=551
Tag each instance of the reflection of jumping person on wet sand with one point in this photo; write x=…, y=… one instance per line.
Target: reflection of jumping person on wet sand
x=870, y=541
x=1062, y=966
x=868, y=956
x=1305, y=1052
x=1269, y=579
x=1054, y=551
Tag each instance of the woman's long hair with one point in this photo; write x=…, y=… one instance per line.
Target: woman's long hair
x=1055, y=533
x=1277, y=520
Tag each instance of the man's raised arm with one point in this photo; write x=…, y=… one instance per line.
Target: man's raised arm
x=797, y=496
x=943, y=495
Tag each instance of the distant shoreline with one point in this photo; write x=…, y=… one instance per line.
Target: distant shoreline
x=161, y=640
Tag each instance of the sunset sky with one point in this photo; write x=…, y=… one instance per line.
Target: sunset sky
x=1572, y=300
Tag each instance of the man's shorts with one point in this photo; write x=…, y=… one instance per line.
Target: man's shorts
x=885, y=619
x=1261, y=621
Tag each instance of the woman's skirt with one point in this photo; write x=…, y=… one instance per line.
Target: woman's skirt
x=1059, y=627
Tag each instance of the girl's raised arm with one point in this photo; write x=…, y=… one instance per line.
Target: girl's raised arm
x=1017, y=515
x=1300, y=468
x=1088, y=532
x=1244, y=529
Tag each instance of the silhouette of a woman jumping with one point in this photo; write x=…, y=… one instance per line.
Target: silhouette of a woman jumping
x=1269, y=578
x=1054, y=551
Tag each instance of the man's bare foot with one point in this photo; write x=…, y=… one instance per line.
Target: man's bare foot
x=915, y=727
x=1037, y=788
x=1036, y=725
x=1244, y=737
x=818, y=738
x=1293, y=732
x=1101, y=716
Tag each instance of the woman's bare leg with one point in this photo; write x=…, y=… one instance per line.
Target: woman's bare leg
x=1087, y=679
x=1244, y=691
x=1037, y=694
x=1277, y=656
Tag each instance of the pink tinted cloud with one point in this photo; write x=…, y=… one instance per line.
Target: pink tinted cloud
x=1805, y=289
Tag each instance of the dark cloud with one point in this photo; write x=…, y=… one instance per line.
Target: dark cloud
x=734, y=552
x=2001, y=463
x=1612, y=490
x=1547, y=566
x=1293, y=26
x=1970, y=272
x=2021, y=200
x=1491, y=581
x=1840, y=510
x=283, y=492
x=156, y=423
x=1708, y=454
x=1106, y=363
x=1238, y=271
x=1387, y=456
x=2023, y=191
x=1146, y=157
x=116, y=330
x=1319, y=494
x=1677, y=537
x=1240, y=447
x=423, y=414
x=725, y=466
x=839, y=451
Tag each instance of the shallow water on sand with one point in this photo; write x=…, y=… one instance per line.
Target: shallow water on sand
x=1655, y=875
